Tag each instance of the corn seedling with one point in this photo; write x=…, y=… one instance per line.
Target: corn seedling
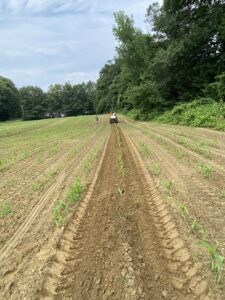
x=206, y=170
x=5, y=209
x=58, y=212
x=183, y=208
x=203, y=232
x=120, y=190
x=179, y=154
x=37, y=186
x=88, y=163
x=121, y=164
x=75, y=191
x=216, y=260
x=144, y=149
x=156, y=169
x=168, y=185
x=194, y=225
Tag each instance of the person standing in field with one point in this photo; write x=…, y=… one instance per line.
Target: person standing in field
x=96, y=118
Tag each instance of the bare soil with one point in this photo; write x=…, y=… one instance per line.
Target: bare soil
x=122, y=242
x=124, y=239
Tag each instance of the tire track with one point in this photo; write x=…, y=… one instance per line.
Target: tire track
x=186, y=275
x=189, y=187
x=63, y=255
x=107, y=252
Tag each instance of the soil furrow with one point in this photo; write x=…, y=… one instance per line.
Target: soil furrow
x=122, y=242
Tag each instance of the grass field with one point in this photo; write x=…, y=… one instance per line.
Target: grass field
x=133, y=210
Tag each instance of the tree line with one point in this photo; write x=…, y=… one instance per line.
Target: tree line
x=31, y=102
x=182, y=58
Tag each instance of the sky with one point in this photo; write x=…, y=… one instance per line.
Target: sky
x=43, y=42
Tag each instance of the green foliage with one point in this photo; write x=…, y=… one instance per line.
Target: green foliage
x=67, y=99
x=144, y=149
x=169, y=185
x=182, y=60
x=88, y=163
x=61, y=207
x=75, y=191
x=5, y=209
x=9, y=100
x=33, y=101
x=216, y=89
x=199, y=113
x=216, y=260
x=59, y=212
x=156, y=169
x=206, y=170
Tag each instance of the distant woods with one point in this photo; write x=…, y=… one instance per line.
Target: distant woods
x=180, y=59
x=31, y=102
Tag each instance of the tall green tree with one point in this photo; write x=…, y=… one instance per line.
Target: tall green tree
x=55, y=99
x=33, y=102
x=194, y=35
x=9, y=100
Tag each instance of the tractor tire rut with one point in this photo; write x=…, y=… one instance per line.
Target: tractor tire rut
x=122, y=241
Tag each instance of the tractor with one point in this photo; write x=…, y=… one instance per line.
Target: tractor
x=113, y=118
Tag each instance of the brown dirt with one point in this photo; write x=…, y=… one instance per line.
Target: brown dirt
x=203, y=197
x=122, y=243
x=124, y=240
x=28, y=235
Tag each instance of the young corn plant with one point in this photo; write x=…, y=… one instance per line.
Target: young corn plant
x=144, y=149
x=194, y=225
x=169, y=186
x=75, y=191
x=156, y=169
x=59, y=212
x=61, y=207
x=121, y=164
x=183, y=209
x=206, y=170
x=120, y=190
x=216, y=260
x=5, y=209
x=203, y=232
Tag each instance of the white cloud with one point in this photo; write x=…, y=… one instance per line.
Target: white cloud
x=43, y=42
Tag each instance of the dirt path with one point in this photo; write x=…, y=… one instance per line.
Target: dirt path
x=122, y=242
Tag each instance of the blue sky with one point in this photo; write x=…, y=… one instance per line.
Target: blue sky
x=43, y=42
